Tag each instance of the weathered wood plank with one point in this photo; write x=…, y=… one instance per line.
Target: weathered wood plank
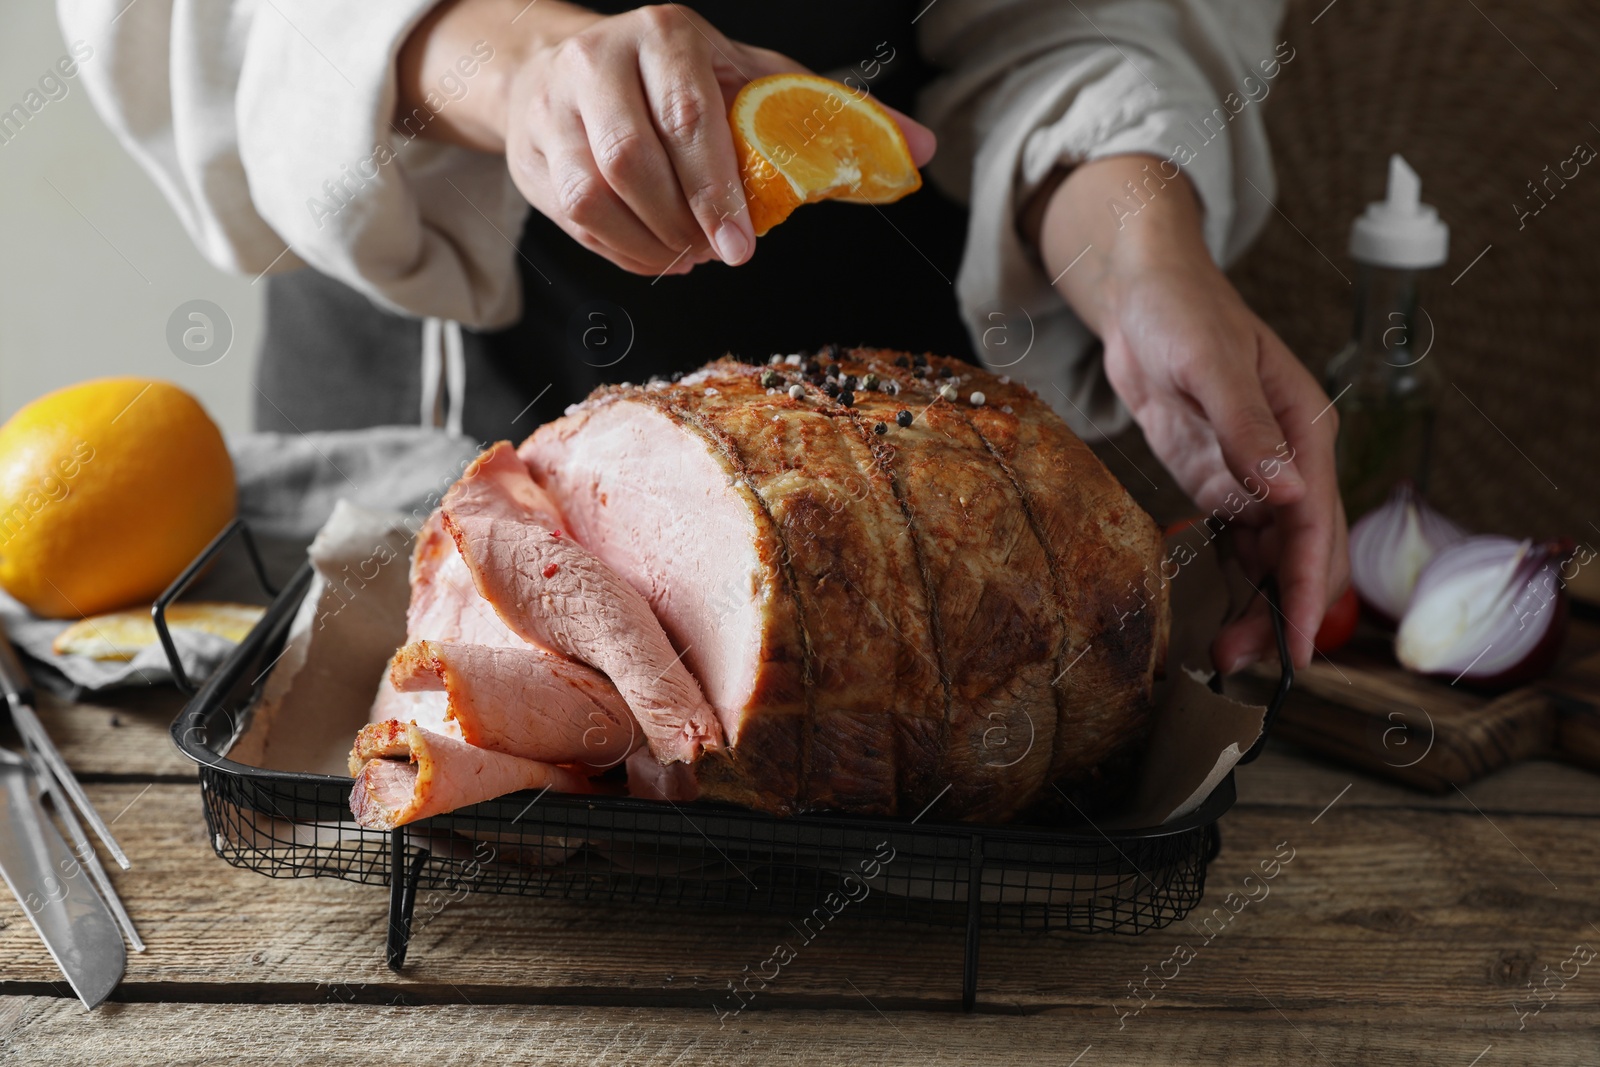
x=1437, y=909
x=51, y=1031
x=122, y=733
x=1287, y=776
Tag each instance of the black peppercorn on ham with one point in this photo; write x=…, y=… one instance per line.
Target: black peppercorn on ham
x=897, y=580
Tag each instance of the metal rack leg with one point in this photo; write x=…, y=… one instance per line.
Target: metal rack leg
x=402, y=897
x=969, y=968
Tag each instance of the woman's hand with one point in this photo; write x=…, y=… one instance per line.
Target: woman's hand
x=1224, y=404
x=620, y=135
x=615, y=128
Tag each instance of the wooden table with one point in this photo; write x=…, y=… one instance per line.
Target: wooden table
x=1405, y=930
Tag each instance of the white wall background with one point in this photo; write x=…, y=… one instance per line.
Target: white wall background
x=76, y=303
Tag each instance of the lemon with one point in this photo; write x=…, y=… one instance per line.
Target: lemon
x=108, y=489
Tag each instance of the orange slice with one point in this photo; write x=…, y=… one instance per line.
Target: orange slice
x=119, y=635
x=801, y=138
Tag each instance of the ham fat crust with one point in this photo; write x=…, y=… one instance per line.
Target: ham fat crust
x=955, y=609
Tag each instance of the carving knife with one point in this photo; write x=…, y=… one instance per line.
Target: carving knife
x=18, y=691
x=54, y=888
x=85, y=852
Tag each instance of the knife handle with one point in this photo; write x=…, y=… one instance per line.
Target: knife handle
x=13, y=678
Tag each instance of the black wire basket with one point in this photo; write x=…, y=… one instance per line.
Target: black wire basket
x=636, y=851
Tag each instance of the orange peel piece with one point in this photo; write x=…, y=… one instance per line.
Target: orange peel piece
x=801, y=138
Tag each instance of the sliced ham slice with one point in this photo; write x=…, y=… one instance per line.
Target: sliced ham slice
x=405, y=773
x=552, y=592
x=522, y=701
x=445, y=606
x=380, y=740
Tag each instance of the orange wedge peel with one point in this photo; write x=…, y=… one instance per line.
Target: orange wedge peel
x=121, y=635
x=801, y=138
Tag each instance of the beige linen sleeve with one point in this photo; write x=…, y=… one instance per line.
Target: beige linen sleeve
x=1030, y=85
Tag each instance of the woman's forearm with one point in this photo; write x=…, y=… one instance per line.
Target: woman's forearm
x=456, y=67
x=1113, y=216
x=1224, y=404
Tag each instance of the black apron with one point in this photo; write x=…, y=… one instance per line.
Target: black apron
x=844, y=273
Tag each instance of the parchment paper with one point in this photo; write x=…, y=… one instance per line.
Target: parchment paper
x=352, y=619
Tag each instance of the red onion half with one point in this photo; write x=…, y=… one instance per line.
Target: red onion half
x=1389, y=547
x=1489, y=610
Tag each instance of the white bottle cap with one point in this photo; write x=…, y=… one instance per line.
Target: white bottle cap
x=1400, y=231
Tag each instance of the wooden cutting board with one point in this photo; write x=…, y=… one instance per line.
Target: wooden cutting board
x=1361, y=707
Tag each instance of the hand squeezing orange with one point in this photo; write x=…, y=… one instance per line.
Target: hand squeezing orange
x=801, y=138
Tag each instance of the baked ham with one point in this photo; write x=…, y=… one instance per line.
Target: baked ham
x=922, y=589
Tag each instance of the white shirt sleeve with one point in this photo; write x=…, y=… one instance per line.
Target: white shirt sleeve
x=1034, y=84
x=270, y=127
